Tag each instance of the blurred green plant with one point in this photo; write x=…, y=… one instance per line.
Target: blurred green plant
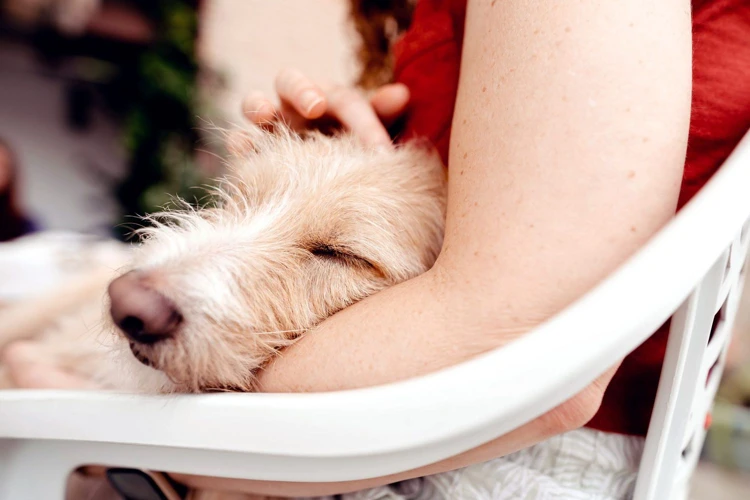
x=161, y=113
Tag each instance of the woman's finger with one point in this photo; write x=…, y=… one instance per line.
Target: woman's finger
x=301, y=94
x=41, y=376
x=356, y=113
x=390, y=102
x=258, y=109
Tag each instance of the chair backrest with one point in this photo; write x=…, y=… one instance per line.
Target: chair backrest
x=696, y=352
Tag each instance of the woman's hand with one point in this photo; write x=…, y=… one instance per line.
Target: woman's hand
x=305, y=105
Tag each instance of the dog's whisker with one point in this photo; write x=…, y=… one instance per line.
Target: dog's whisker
x=274, y=332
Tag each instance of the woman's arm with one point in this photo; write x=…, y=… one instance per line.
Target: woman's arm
x=567, y=151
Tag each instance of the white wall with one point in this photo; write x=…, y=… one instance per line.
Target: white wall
x=251, y=40
x=248, y=40
x=53, y=187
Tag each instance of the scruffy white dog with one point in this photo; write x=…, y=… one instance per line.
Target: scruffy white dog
x=303, y=228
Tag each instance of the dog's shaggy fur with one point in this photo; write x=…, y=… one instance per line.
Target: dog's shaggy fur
x=303, y=228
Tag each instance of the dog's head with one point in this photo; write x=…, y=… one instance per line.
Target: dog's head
x=304, y=228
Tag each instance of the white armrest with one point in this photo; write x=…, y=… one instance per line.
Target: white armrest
x=391, y=428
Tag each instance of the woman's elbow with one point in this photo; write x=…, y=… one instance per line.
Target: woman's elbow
x=581, y=408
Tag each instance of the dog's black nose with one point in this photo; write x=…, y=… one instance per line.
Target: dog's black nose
x=143, y=314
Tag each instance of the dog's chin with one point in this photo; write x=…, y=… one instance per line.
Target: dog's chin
x=125, y=372
x=157, y=379
x=140, y=355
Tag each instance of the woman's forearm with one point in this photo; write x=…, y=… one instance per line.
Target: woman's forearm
x=414, y=328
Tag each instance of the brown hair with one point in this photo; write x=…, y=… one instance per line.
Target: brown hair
x=378, y=23
x=12, y=223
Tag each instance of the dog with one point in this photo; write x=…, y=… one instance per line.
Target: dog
x=302, y=227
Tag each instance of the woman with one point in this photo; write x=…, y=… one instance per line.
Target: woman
x=12, y=222
x=568, y=148
x=565, y=127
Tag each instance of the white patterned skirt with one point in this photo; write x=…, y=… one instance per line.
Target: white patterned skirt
x=583, y=464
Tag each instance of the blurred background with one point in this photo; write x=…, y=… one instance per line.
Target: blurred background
x=109, y=107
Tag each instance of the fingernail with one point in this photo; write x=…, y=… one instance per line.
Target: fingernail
x=265, y=111
x=403, y=91
x=310, y=99
x=255, y=109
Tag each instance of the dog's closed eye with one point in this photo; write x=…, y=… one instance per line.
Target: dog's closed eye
x=340, y=255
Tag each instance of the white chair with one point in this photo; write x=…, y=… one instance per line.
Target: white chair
x=691, y=270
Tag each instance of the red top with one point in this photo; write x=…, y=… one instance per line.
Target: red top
x=428, y=61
